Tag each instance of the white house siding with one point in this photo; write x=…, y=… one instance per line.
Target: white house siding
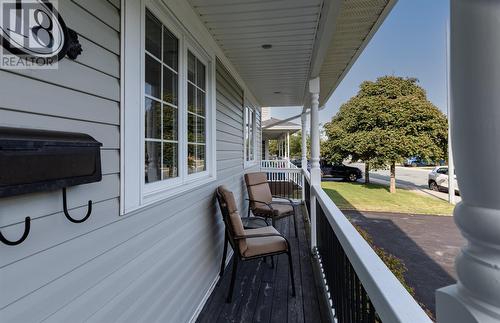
x=155, y=264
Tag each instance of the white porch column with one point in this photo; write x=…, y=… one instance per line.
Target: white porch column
x=303, y=146
x=304, y=140
x=288, y=145
x=315, y=171
x=475, y=84
x=266, y=149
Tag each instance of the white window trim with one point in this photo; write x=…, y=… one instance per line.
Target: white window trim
x=255, y=160
x=135, y=192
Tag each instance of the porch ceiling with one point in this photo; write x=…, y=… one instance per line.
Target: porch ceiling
x=357, y=23
x=241, y=27
x=298, y=31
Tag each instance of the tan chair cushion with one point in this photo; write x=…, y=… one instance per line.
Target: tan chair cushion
x=229, y=198
x=278, y=210
x=255, y=178
x=264, y=245
x=258, y=189
x=234, y=216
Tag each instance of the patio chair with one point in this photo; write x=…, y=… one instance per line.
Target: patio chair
x=264, y=204
x=249, y=244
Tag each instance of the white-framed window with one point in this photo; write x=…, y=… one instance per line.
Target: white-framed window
x=169, y=146
x=250, y=135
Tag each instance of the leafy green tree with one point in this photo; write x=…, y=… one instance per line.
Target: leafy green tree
x=387, y=121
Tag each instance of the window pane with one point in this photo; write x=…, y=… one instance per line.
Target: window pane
x=152, y=161
x=200, y=75
x=191, y=127
x=196, y=158
x=200, y=161
x=170, y=86
x=152, y=77
x=153, y=35
x=191, y=98
x=170, y=128
x=191, y=68
x=200, y=130
x=200, y=103
x=170, y=49
x=153, y=119
x=169, y=169
x=191, y=159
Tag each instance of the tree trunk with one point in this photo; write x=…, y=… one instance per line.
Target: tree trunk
x=392, y=188
x=367, y=173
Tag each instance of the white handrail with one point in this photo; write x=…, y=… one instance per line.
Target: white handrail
x=391, y=300
x=307, y=175
x=278, y=163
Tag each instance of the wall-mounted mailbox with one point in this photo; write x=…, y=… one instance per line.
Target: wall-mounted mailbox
x=38, y=160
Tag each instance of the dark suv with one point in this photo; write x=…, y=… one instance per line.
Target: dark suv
x=347, y=173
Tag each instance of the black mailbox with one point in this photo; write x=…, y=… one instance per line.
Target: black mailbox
x=39, y=160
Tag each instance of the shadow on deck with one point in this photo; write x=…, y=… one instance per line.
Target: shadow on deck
x=263, y=294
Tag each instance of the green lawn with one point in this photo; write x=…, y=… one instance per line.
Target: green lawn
x=372, y=197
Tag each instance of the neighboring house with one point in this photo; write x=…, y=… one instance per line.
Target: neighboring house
x=279, y=130
x=173, y=90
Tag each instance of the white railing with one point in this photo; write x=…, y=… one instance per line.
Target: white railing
x=285, y=179
x=338, y=239
x=380, y=296
x=277, y=163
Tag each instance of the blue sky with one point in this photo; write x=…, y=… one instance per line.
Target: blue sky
x=411, y=42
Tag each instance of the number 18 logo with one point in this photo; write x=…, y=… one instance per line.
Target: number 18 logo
x=33, y=30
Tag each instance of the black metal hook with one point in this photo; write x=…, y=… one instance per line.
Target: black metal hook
x=65, y=208
x=27, y=225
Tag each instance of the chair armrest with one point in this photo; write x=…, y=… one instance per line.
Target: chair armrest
x=288, y=201
x=256, y=219
x=255, y=201
x=283, y=198
x=261, y=235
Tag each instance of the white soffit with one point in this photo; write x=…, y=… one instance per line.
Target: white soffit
x=276, y=76
x=357, y=22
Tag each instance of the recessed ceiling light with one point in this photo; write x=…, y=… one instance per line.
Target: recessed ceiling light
x=267, y=46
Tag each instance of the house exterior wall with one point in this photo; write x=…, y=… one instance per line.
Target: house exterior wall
x=154, y=264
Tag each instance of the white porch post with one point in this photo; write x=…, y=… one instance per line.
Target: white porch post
x=266, y=149
x=304, y=140
x=475, y=80
x=303, y=121
x=315, y=171
x=288, y=145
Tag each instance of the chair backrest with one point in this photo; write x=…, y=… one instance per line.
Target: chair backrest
x=258, y=189
x=232, y=219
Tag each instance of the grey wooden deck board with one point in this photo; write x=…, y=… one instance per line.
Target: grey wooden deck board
x=263, y=294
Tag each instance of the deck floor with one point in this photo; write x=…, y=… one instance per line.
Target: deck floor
x=263, y=294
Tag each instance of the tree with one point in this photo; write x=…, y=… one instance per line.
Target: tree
x=387, y=121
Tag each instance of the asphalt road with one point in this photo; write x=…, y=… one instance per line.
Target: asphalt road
x=406, y=177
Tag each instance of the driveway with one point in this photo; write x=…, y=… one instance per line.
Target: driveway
x=407, y=177
x=427, y=244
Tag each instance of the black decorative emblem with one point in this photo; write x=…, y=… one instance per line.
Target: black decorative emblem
x=35, y=29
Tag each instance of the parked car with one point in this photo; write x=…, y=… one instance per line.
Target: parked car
x=417, y=162
x=438, y=179
x=297, y=162
x=330, y=170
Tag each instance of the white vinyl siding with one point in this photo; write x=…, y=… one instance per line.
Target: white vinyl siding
x=153, y=264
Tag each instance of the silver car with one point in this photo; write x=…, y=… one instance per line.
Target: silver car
x=438, y=179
